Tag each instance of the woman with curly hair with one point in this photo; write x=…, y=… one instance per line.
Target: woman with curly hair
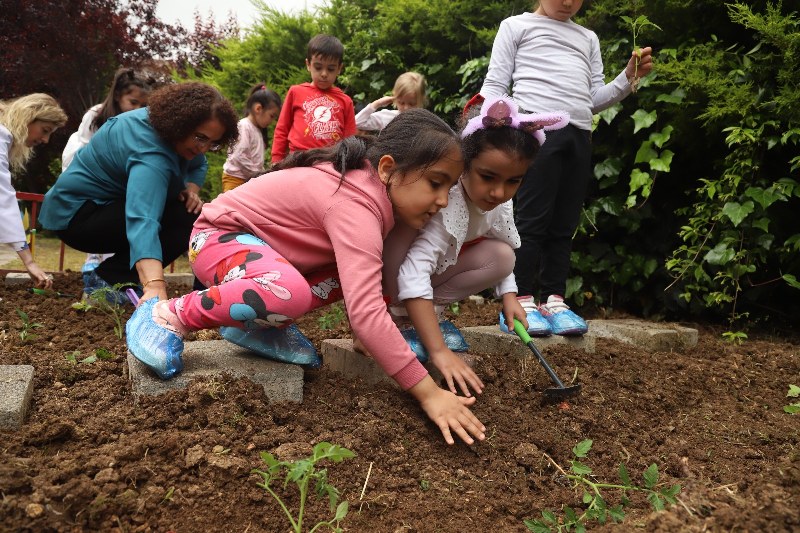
x=133, y=190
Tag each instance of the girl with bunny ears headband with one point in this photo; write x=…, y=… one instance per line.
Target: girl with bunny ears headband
x=468, y=245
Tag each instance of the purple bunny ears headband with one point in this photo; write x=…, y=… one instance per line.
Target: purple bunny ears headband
x=499, y=111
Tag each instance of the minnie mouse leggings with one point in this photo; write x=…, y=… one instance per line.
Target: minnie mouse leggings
x=250, y=285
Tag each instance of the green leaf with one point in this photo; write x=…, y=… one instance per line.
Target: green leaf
x=645, y=153
x=791, y=280
x=659, y=138
x=663, y=162
x=89, y=360
x=721, y=254
x=640, y=180
x=582, y=448
x=762, y=224
x=642, y=119
x=104, y=354
x=792, y=408
x=624, y=476
x=675, y=97
x=794, y=392
x=765, y=197
x=670, y=493
x=587, y=497
x=737, y=212
x=580, y=468
x=341, y=511
x=650, y=476
x=536, y=526
x=608, y=168
x=367, y=63
x=656, y=501
x=549, y=517
x=608, y=115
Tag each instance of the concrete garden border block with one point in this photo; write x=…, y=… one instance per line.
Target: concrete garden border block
x=338, y=355
x=490, y=340
x=649, y=336
x=16, y=279
x=282, y=382
x=16, y=392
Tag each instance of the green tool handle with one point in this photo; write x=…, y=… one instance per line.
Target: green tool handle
x=520, y=330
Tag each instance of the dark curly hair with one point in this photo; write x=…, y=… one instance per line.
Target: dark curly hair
x=177, y=110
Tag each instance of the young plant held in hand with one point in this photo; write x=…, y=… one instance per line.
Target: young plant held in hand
x=303, y=473
x=636, y=27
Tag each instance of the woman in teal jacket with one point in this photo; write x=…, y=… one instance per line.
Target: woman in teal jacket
x=133, y=190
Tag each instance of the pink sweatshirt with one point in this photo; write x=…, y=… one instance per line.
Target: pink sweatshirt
x=300, y=213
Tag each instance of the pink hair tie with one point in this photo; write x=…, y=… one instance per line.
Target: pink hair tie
x=501, y=111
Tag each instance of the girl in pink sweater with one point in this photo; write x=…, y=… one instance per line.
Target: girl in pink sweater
x=305, y=235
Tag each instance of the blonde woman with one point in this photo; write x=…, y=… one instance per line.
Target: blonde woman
x=25, y=123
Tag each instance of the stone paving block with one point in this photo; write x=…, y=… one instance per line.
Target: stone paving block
x=282, y=382
x=490, y=340
x=649, y=336
x=338, y=355
x=15, y=279
x=16, y=391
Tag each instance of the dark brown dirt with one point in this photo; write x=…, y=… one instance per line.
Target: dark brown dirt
x=90, y=459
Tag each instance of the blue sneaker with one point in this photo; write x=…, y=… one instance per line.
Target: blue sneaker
x=154, y=345
x=452, y=338
x=562, y=320
x=93, y=282
x=537, y=325
x=286, y=345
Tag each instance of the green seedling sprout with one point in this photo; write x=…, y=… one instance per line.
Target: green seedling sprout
x=99, y=300
x=596, y=507
x=636, y=27
x=26, y=333
x=303, y=473
x=332, y=318
x=794, y=392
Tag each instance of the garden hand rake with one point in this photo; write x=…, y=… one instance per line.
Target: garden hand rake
x=559, y=392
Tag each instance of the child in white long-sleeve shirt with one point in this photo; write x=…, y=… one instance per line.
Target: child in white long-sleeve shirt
x=550, y=62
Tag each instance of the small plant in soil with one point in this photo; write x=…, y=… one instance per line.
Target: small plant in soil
x=99, y=354
x=303, y=473
x=597, y=508
x=103, y=300
x=26, y=333
x=794, y=392
x=332, y=318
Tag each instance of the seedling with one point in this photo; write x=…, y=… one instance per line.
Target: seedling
x=332, y=318
x=303, y=472
x=794, y=392
x=596, y=507
x=636, y=27
x=26, y=333
x=99, y=354
x=106, y=300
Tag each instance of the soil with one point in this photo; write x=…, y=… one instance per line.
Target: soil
x=89, y=458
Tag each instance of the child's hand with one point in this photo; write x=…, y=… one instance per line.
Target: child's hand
x=448, y=411
x=513, y=309
x=382, y=102
x=455, y=370
x=644, y=55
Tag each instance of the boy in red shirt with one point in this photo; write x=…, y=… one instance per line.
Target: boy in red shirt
x=315, y=114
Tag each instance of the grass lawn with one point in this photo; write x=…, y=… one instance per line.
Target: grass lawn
x=46, y=254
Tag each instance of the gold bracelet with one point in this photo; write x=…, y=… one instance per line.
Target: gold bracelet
x=146, y=283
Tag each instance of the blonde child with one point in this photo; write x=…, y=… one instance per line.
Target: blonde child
x=246, y=158
x=469, y=245
x=553, y=63
x=308, y=234
x=408, y=93
x=25, y=123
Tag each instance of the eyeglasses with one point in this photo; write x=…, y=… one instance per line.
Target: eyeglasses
x=204, y=142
